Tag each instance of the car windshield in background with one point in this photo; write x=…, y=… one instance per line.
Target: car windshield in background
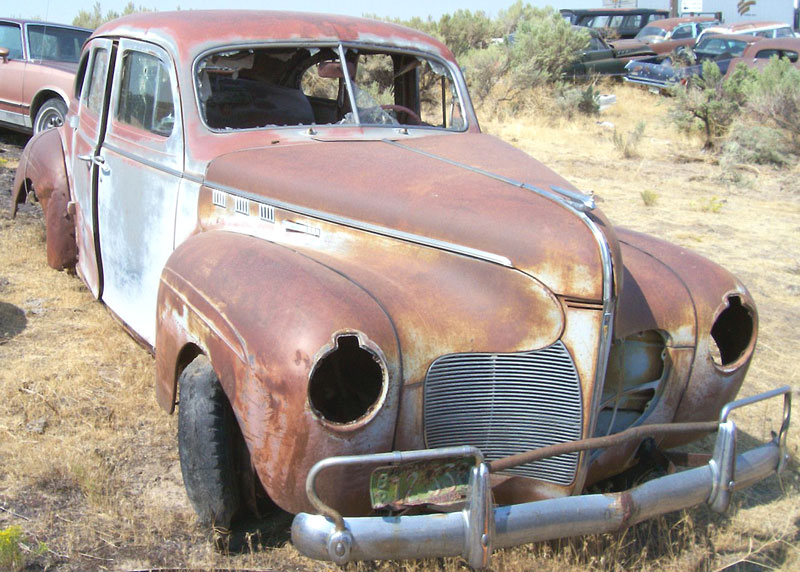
x=719, y=46
x=56, y=44
x=651, y=33
x=267, y=87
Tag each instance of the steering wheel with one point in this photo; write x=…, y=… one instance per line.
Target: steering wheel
x=413, y=118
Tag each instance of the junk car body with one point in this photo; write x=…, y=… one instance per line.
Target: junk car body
x=669, y=71
x=669, y=34
x=757, y=55
x=602, y=58
x=37, y=70
x=614, y=22
x=763, y=29
x=336, y=270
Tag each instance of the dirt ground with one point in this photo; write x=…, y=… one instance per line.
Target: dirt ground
x=89, y=468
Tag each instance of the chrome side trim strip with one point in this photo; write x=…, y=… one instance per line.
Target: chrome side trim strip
x=16, y=118
x=373, y=228
x=143, y=160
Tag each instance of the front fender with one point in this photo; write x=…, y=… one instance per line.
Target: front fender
x=43, y=172
x=713, y=290
x=265, y=315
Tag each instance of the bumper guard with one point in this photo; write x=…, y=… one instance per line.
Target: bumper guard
x=480, y=527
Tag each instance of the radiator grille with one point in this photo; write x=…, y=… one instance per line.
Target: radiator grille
x=506, y=404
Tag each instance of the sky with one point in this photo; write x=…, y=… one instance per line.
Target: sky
x=63, y=12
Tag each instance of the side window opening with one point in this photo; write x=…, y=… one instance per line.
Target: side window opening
x=11, y=38
x=145, y=96
x=80, y=76
x=93, y=97
x=682, y=32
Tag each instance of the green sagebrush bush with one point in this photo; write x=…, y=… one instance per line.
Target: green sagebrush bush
x=483, y=69
x=750, y=142
x=710, y=103
x=571, y=100
x=773, y=100
x=544, y=44
x=752, y=115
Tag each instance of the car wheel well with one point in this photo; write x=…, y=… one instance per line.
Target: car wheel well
x=186, y=355
x=40, y=99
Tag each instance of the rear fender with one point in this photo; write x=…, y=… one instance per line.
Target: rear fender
x=42, y=172
x=266, y=316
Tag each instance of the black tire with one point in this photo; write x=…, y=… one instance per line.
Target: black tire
x=207, y=441
x=50, y=115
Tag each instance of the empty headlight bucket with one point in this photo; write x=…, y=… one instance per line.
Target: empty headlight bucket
x=733, y=334
x=348, y=382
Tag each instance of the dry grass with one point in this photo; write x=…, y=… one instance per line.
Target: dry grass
x=88, y=463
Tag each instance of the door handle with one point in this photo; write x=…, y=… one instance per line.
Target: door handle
x=98, y=160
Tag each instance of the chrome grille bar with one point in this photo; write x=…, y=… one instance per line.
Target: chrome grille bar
x=505, y=404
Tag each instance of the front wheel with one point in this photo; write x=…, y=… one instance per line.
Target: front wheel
x=50, y=115
x=207, y=441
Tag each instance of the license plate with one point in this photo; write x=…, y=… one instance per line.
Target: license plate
x=439, y=482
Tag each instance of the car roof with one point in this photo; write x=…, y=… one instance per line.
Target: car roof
x=671, y=23
x=40, y=23
x=779, y=44
x=600, y=11
x=738, y=26
x=738, y=37
x=193, y=31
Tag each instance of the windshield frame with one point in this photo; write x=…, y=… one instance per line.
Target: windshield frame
x=457, y=81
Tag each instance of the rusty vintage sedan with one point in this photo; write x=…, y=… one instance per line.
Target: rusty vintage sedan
x=412, y=335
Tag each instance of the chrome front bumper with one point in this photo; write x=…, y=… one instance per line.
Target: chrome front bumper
x=474, y=532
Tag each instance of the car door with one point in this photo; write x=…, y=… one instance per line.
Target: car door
x=12, y=73
x=87, y=128
x=140, y=169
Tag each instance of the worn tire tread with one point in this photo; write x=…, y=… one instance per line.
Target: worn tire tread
x=206, y=430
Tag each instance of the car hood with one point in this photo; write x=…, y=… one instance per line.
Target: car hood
x=463, y=189
x=632, y=47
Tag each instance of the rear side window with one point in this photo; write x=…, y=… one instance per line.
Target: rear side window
x=97, y=81
x=11, y=38
x=766, y=54
x=56, y=44
x=145, y=97
x=80, y=77
x=682, y=32
x=633, y=21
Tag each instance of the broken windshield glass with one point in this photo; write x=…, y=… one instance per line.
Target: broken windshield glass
x=303, y=86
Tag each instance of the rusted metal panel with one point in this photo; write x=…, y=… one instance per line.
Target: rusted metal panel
x=263, y=337
x=416, y=193
x=710, y=385
x=480, y=306
x=190, y=32
x=42, y=171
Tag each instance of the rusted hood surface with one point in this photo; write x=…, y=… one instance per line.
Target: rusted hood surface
x=440, y=187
